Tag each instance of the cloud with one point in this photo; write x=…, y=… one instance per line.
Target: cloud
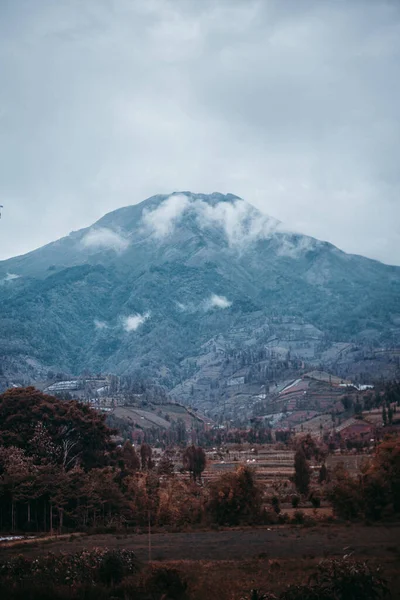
x=132, y=322
x=103, y=238
x=216, y=301
x=294, y=246
x=253, y=97
x=183, y=307
x=239, y=220
x=161, y=221
x=11, y=277
x=100, y=324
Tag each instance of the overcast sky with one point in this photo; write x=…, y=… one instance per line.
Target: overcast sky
x=293, y=105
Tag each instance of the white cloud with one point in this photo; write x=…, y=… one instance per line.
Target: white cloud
x=100, y=324
x=105, y=238
x=240, y=221
x=294, y=246
x=11, y=276
x=216, y=301
x=132, y=322
x=161, y=221
x=182, y=307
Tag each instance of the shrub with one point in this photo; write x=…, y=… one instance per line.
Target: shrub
x=295, y=501
x=270, y=517
x=275, y=504
x=341, y=580
x=85, y=567
x=346, y=498
x=235, y=498
x=283, y=519
x=166, y=583
x=112, y=568
x=315, y=500
x=257, y=595
x=298, y=517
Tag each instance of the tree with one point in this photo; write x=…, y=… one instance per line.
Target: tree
x=194, y=461
x=345, y=494
x=166, y=465
x=301, y=472
x=16, y=480
x=235, y=498
x=323, y=474
x=358, y=407
x=72, y=432
x=130, y=458
x=381, y=481
x=347, y=403
x=311, y=447
x=276, y=504
x=145, y=455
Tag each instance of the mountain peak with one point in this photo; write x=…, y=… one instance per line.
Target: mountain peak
x=160, y=216
x=147, y=285
x=126, y=216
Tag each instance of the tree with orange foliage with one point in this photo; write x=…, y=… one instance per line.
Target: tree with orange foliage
x=381, y=481
x=235, y=498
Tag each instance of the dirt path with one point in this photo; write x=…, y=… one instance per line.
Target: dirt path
x=280, y=542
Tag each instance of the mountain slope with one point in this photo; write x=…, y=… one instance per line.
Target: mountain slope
x=147, y=285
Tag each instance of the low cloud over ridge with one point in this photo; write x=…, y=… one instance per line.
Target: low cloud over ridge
x=103, y=238
x=216, y=301
x=133, y=322
x=161, y=221
x=239, y=220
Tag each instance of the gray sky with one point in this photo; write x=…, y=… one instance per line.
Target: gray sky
x=292, y=104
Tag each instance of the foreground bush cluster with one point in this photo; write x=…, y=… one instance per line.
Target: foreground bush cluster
x=334, y=580
x=88, y=566
x=116, y=574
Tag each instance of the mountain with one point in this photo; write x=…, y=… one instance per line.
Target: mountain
x=147, y=287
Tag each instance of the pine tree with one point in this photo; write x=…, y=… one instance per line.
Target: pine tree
x=323, y=474
x=302, y=472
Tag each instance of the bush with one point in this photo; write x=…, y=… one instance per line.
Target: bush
x=257, y=595
x=341, y=580
x=298, y=517
x=283, y=519
x=346, y=498
x=275, y=504
x=166, y=583
x=235, y=498
x=315, y=500
x=112, y=568
x=295, y=501
x=85, y=567
x=270, y=517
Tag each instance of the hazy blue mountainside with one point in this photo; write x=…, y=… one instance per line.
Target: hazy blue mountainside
x=147, y=285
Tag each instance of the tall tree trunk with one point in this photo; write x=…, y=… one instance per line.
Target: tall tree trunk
x=29, y=512
x=61, y=518
x=51, y=518
x=12, y=515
